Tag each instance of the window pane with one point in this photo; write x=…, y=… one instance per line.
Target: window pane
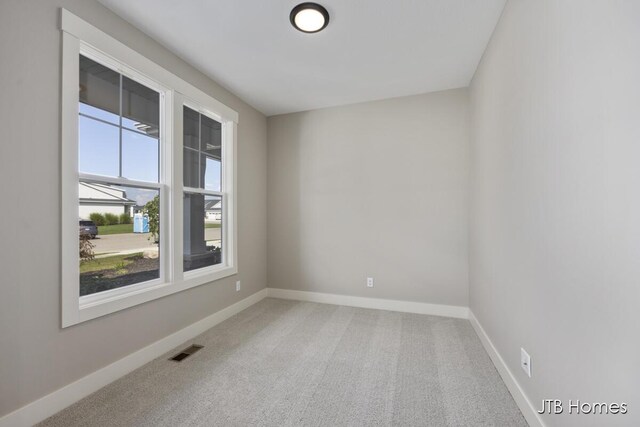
x=98, y=147
x=140, y=107
x=139, y=156
x=211, y=145
x=211, y=142
x=119, y=231
x=202, y=231
x=190, y=124
x=211, y=170
x=190, y=169
x=99, y=86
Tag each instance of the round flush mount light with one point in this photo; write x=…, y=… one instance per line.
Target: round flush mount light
x=309, y=17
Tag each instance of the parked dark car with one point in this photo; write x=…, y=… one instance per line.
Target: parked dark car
x=88, y=227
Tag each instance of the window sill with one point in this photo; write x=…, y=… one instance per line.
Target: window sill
x=93, y=306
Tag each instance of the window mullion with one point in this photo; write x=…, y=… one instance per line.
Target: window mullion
x=200, y=178
x=224, y=226
x=177, y=206
x=120, y=127
x=203, y=191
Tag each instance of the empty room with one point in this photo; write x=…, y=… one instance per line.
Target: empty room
x=331, y=213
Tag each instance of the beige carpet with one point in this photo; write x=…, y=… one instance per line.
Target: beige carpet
x=287, y=363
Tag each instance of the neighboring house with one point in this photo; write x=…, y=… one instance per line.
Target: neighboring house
x=102, y=199
x=213, y=210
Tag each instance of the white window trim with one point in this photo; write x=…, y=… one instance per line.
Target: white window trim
x=79, y=37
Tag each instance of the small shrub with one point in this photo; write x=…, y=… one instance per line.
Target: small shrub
x=152, y=209
x=97, y=218
x=86, y=248
x=110, y=219
x=125, y=218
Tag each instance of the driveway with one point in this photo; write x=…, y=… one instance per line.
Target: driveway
x=136, y=242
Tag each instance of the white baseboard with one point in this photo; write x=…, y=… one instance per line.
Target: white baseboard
x=523, y=402
x=378, y=303
x=56, y=401
x=527, y=409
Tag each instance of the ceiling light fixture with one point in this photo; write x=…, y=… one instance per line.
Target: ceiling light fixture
x=309, y=17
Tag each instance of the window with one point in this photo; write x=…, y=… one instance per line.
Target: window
x=118, y=139
x=203, y=199
x=148, y=179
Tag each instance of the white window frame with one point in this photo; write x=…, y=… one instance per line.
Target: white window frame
x=226, y=191
x=79, y=37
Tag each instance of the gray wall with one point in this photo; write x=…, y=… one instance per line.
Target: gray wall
x=375, y=189
x=555, y=224
x=37, y=357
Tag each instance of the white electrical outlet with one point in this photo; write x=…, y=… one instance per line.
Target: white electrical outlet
x=525, y=362
x=369, y=282
x=238, y=286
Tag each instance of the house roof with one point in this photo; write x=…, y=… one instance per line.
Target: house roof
x=213, y=205
x=93, y=193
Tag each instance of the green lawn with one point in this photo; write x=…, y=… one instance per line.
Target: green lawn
x=104, y=230
x=108, y=263
x=115, y=229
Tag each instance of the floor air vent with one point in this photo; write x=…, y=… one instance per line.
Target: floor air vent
x=186, y=353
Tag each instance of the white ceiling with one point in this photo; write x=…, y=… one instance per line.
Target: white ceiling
x=372, y=49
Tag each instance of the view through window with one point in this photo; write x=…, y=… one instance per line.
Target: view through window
x=119, y=186
x=203, y=200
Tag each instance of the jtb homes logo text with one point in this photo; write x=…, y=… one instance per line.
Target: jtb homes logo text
x=556, y=406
